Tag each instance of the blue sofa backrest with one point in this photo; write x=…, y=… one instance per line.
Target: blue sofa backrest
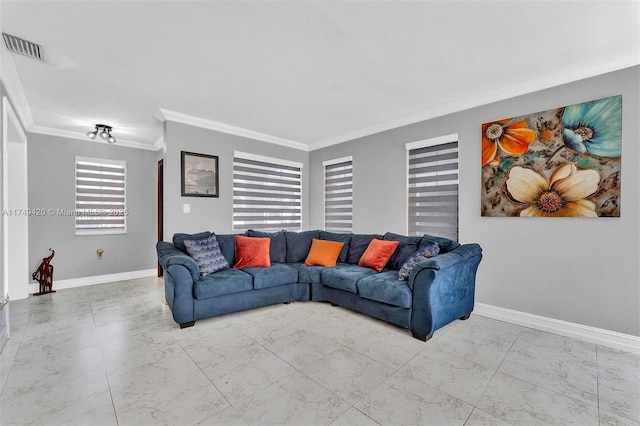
x=293, y=247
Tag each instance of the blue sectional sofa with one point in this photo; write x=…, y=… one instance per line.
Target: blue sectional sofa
x=438, y=291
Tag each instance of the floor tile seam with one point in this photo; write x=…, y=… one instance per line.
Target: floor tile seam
x=106, y=372
x=444, y=391
x=543, y=386
x=623, y=415
x=113, y=404
x=104, y=366
x=13, y=359
x=55, y=376
x=138, y=319
x=617, y=414
x=624, y=364
x=297, y=370
x=207, y=377
x=366, y=356
x=349, y=405
x=114, y=300
x=535, y=353
x=364, y=414
x=287, y=362
x=469, y=416
x=485, y=411
x=598, y=380
x=343, y=413
x=554, y=391
x=495, y=372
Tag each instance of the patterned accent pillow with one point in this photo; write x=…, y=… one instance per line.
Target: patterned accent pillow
x=424, y=253
x=207, y=254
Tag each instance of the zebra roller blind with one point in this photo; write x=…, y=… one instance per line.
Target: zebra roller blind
x=100, y=196
x=433, y=189
x=267, y=193
x=338, y=195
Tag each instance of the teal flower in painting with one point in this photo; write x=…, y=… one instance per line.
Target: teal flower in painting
x=594, y=127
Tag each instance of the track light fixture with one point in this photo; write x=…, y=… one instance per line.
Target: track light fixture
x=104, y=131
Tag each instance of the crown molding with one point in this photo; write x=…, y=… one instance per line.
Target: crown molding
x=178, y=117
x=159, y=144
x=601, y=66
x=12, y=84
x=15, y=92
x=81, y=136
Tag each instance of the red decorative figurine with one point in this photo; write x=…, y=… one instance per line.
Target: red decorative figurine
x=44, y=275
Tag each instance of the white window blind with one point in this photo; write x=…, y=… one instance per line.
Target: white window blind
x=100, y=196
x=338, y=195
x=433, y=189
x=267, y=193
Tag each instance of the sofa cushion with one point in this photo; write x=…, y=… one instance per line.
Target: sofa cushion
x=417, y=257
x=252, y=252
x=386, y=288
x=228, y=246
x=206, y=252
x=298, y=244
x=323, y=253
x=308, y=274
x=277, y=274
x=446, y=245
x=178, y=239
x=341, y=238
x=229, y=281
x=407, y=246
x=345, y=276
x=358, y=245
x=278, y=246
x=378, y=254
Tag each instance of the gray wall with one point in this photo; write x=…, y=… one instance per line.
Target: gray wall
x=51, y=162
x=583, y=271
x=3, y=93
x=214, y=214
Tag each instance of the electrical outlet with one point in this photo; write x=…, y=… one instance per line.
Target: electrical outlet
x=99, y=254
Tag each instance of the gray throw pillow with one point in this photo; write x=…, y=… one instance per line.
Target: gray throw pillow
x=424, y=253
x=207, y=254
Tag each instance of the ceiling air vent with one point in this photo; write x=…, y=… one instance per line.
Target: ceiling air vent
x=23, y=47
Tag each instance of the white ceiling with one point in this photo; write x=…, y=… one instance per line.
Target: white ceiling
x=307, y=74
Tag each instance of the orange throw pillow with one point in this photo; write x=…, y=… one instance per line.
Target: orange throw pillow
x=323, y=253
x=378, y=254
x=252, y=252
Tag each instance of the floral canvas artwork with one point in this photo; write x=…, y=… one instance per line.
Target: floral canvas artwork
x=563, y=162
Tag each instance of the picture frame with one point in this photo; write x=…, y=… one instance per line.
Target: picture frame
x=199, y=175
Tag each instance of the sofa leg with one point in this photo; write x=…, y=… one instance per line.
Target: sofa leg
x=286, y=303
x=465, y=317
x=421, y=336
x=187, y=324
x=333, y=304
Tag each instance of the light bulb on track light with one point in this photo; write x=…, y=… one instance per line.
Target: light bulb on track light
x=103, y=131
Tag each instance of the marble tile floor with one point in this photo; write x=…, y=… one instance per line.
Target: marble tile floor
x=111, y=354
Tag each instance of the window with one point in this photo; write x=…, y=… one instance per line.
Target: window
x=267, y=193
x=433, y=187
x=338, y=195
x=100, y=196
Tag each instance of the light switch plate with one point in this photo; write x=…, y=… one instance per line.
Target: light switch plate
x=186, y=208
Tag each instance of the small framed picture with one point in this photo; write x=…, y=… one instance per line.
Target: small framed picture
x=199, y=175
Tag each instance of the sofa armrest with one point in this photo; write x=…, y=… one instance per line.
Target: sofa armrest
x=460, y=254
x=169, y=255
x=444, y=288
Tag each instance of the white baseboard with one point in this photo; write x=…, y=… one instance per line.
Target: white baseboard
x=98, y=279
x=598, y=336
